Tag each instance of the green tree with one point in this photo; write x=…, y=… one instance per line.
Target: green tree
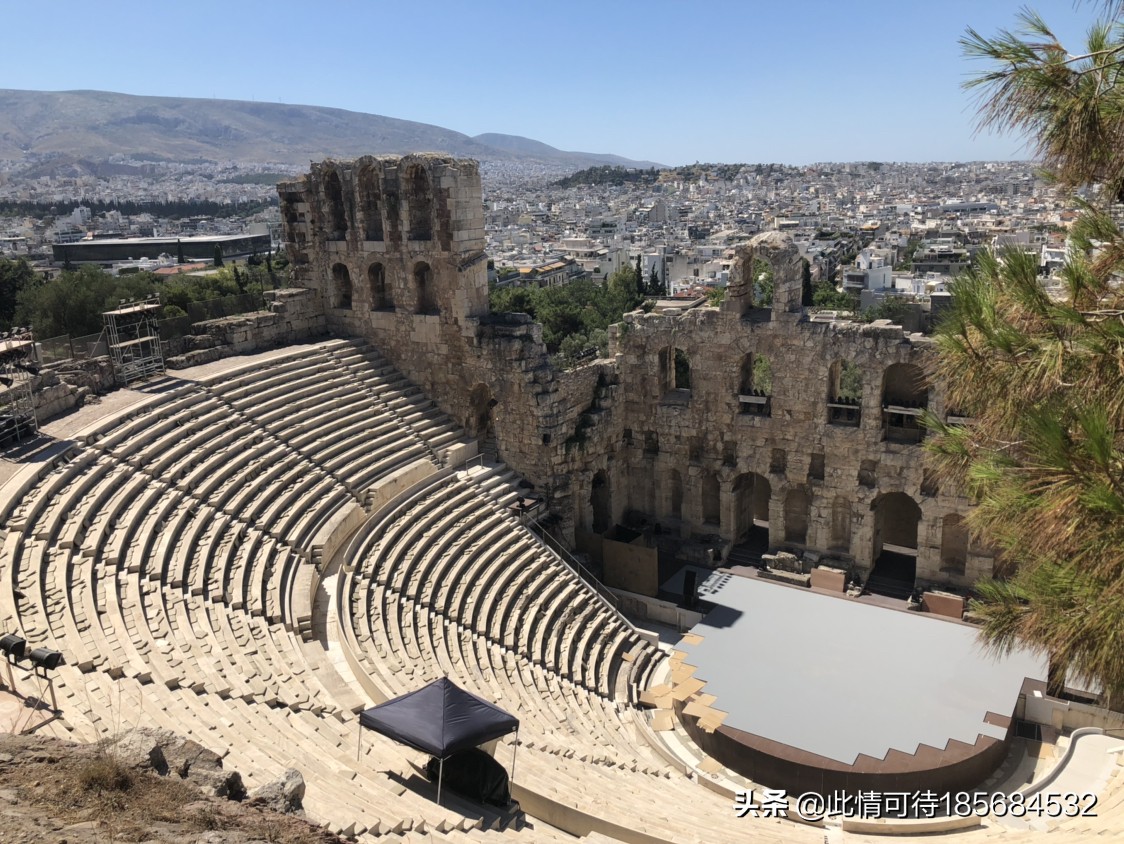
x=639, y=278
x=179, y=252
x=15, y=277
x=1042, y=377
x=655, y=286
x=218, y=255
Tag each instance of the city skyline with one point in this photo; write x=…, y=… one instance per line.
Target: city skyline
x=720, y=82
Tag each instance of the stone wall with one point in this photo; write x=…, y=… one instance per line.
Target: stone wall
x=679, y=424
x=294, y=316
x=65, y=386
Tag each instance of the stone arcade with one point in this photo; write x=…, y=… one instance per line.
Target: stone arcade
x=671, y=429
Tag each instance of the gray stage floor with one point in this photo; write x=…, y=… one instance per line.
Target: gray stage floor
x=838, y=678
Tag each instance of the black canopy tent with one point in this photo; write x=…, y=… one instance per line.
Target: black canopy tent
x=440, y=719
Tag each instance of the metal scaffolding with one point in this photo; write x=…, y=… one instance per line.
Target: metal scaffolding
x=18, y=363
x=134, y=339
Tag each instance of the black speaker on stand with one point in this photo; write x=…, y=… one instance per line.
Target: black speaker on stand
x=690, y=580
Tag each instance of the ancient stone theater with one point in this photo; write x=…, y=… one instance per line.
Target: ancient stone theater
x=706, y=577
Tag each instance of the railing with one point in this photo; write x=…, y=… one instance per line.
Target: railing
x=611, y=601
x=64, y=347
x=844, y=411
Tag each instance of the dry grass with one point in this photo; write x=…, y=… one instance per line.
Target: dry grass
x=81, y=784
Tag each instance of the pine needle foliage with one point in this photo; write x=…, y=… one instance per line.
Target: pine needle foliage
x=1041, y=376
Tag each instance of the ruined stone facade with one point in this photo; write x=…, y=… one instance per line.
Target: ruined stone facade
x=749, y=420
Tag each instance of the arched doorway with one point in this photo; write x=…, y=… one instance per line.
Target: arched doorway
x=752, y=493
x=341, y=287
x=481, y=421
x=896, y=520
x=600, y=502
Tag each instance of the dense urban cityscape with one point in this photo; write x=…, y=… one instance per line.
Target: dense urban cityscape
x=877, y=230
x=368, y=480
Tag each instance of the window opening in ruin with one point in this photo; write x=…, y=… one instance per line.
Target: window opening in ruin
x=337, y=214
x=778, y=461
x=675, y=375
x=341, y=287
x=845, y=394
x=816, y=466
x=423, y=287
x=796, y=507
x=904, y=398
x=763, y=283
x=711, y=500
x=600, y=502
x=682, y=370
x=755, y=386
x=420, y=201
x=752, y=493
x=371, y=198
x=381, y=300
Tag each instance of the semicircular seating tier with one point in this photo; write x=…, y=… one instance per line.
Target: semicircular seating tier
x=182, y=552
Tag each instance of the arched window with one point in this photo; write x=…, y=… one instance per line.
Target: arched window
x=682, y=366
x=381, y=300
x=341, y=287
x=845, y=394
x=337, y=213
x=424, y=294
x=755, y=385
x=675, y=374
x=904, y=397
x=370, y=203
x=420, y=199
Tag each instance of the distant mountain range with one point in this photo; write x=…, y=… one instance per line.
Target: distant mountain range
x=94, y=125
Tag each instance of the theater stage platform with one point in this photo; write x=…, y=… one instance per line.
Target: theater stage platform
x=824, y=692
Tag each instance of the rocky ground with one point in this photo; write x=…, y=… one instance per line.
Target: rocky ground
x=149, y=785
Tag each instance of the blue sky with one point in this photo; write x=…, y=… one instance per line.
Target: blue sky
x=676, y=82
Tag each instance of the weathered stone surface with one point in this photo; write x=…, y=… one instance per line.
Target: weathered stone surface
x=284, y=794
x=388, y=249
x=167, y=754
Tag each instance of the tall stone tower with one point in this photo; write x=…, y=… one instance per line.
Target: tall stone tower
x=391, y=244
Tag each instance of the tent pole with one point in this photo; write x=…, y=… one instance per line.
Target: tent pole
x=514, y=750
x=440, y=777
